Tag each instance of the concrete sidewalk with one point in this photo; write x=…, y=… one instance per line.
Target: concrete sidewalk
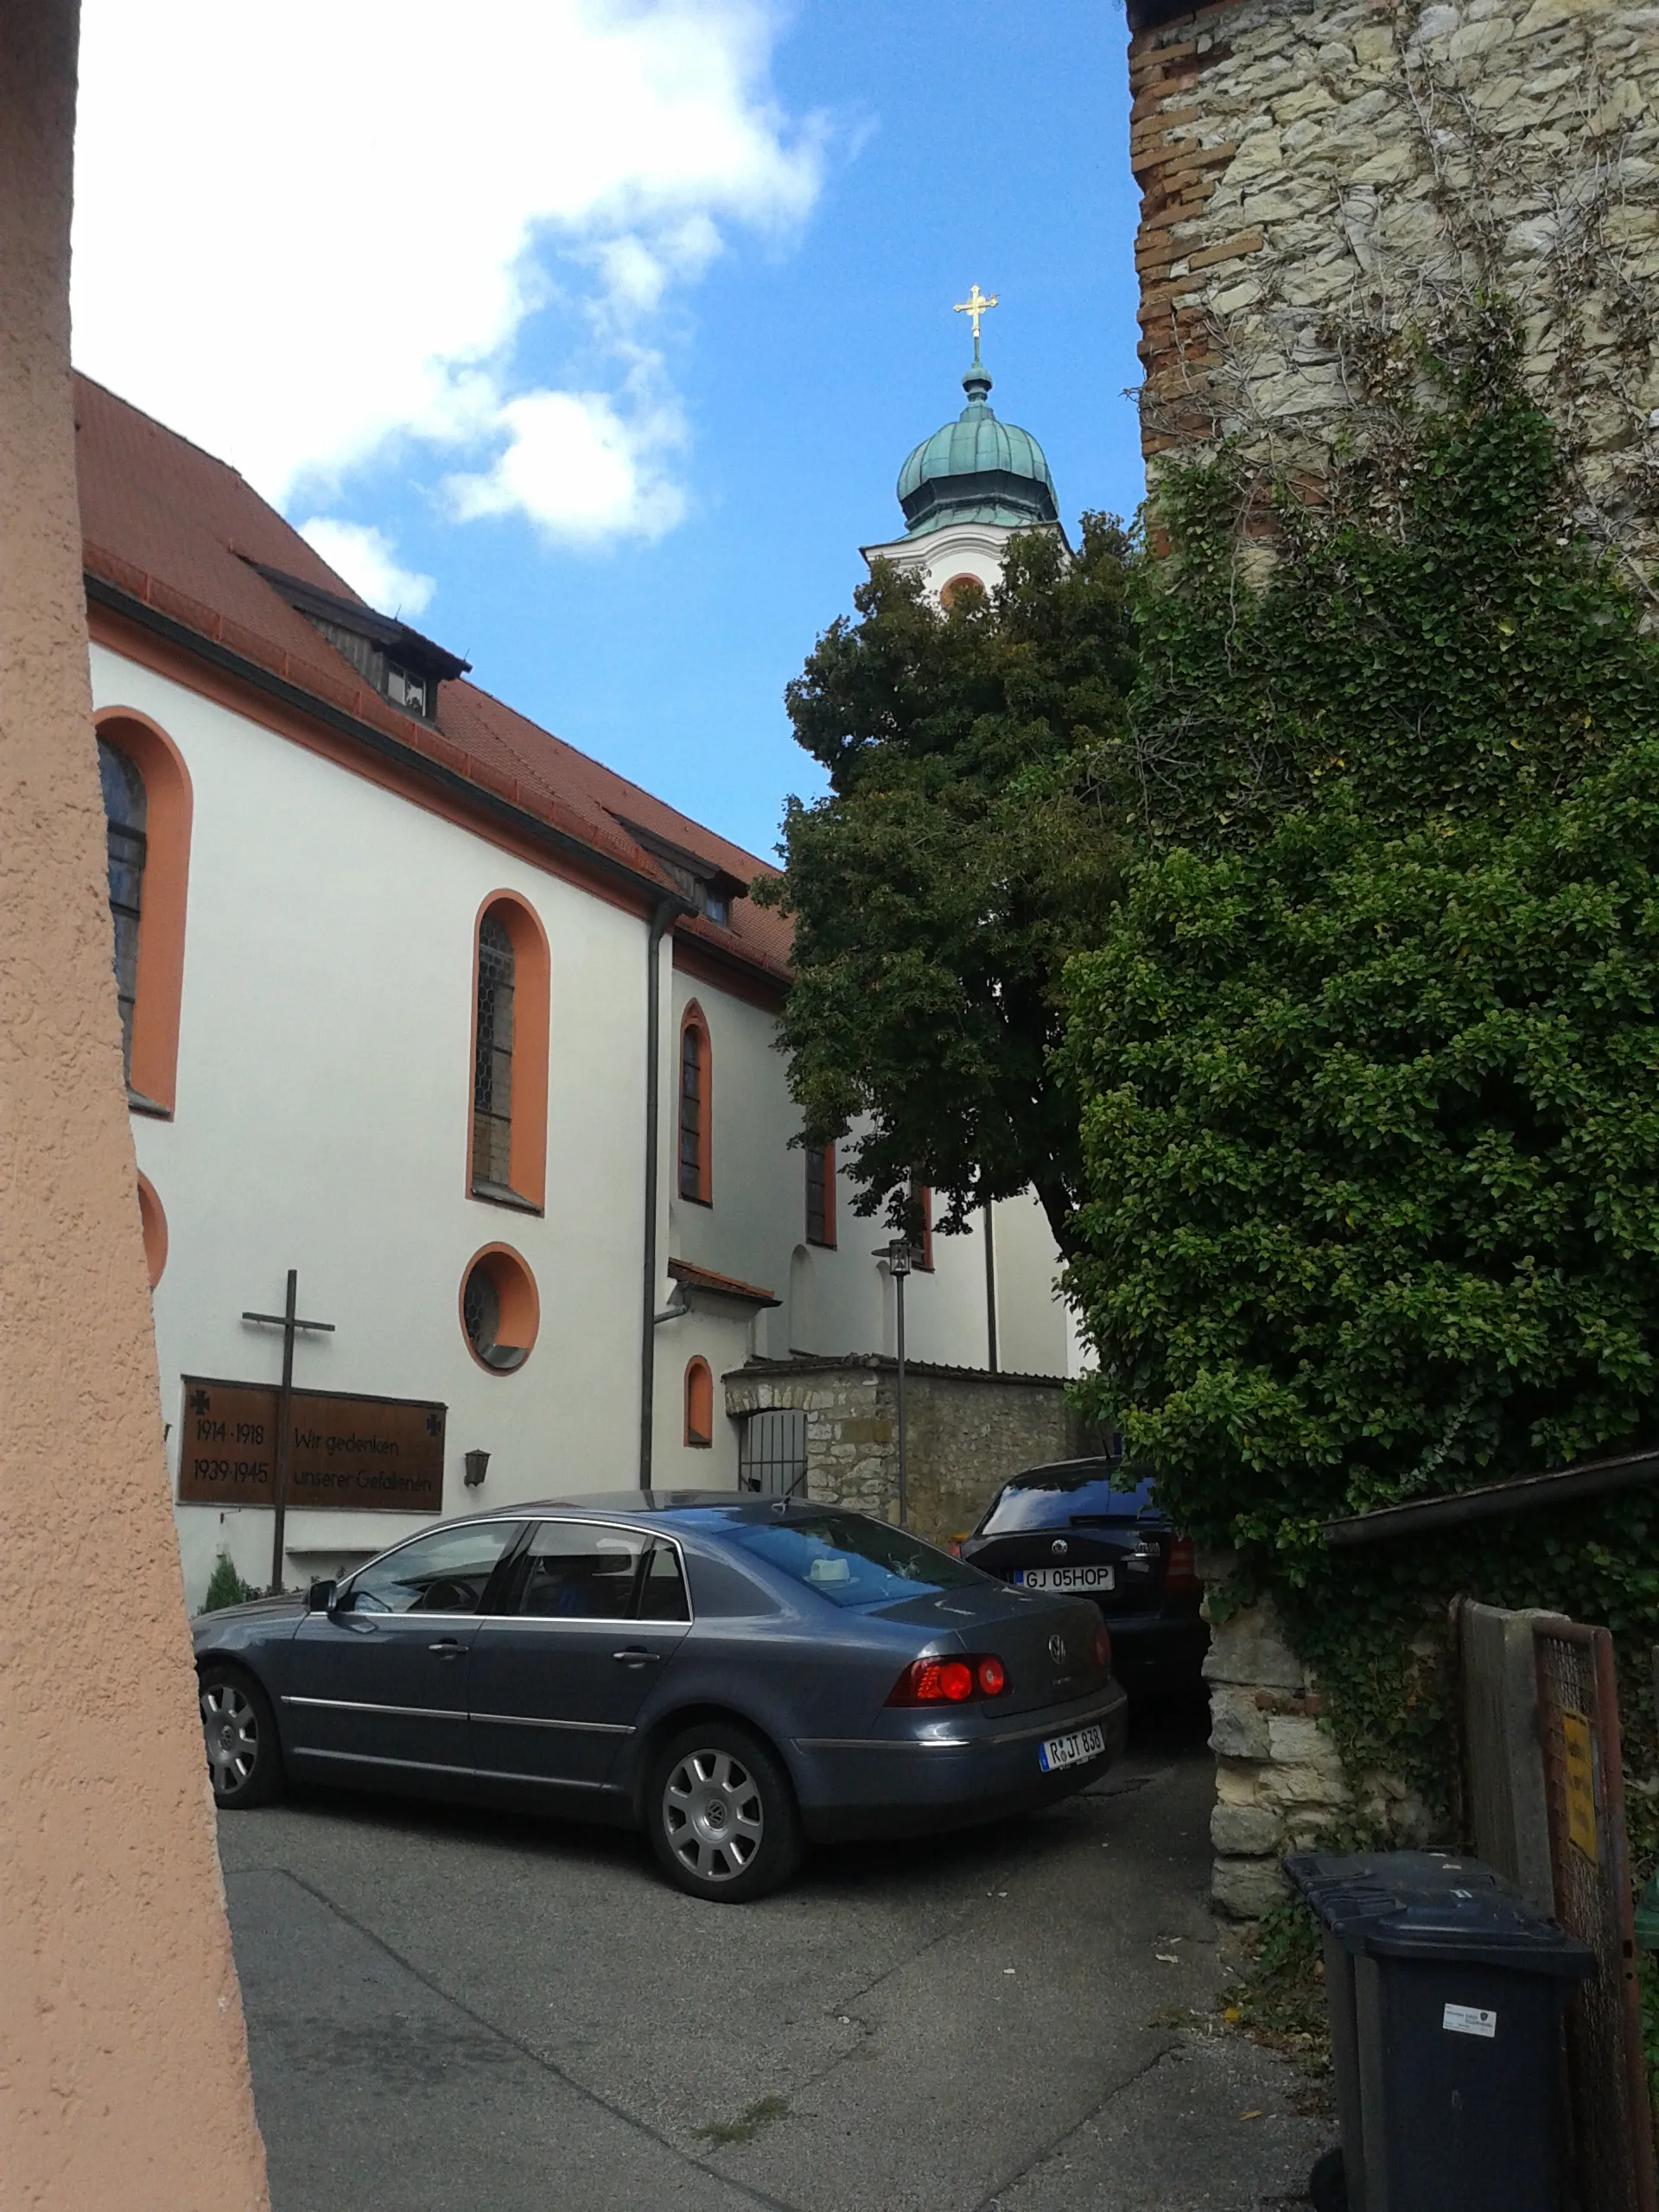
x=451, y=2011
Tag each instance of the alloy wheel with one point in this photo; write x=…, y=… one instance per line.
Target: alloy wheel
x=712, y=1813
x=229, y=1729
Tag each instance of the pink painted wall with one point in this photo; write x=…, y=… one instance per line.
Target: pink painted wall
x=124, y=2076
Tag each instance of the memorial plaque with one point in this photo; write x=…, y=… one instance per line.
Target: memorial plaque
x=347, y=1453
x=227, y=1443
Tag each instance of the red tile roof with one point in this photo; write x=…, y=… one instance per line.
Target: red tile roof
x=174, y=528
x=695, y=1278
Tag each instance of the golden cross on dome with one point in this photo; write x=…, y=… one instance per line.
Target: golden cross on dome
x=974, y=306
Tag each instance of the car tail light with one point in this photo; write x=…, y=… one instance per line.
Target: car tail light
x=1178, y=1573
x=951, y=1680
x=1102, y=1650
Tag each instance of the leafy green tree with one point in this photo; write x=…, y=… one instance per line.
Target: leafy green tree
x=1367, y=1055
x=967, y=845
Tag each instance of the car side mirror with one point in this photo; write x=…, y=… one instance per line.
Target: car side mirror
x=319, y=1598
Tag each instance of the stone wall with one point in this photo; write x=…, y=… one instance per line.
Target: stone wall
x=966, y=1432
x=1320, y=175
x=1279, y=1781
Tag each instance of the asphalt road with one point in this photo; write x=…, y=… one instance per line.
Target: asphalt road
x=454, y=2011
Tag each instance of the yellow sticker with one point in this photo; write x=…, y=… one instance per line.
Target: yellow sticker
x=1580, y=1783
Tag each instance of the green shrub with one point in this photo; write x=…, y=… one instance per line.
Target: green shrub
x=1368, y=1053
x=226, y=1587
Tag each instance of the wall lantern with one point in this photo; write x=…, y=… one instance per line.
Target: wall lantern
x=477, y=1463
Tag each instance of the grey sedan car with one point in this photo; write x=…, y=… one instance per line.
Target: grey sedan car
x=736, y=1676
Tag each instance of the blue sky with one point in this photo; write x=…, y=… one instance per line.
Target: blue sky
x=768, y=333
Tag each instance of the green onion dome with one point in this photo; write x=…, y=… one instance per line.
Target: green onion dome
x=976, y=469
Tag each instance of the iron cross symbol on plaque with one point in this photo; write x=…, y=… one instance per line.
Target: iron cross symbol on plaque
x=290, y=1324
x=973, y=307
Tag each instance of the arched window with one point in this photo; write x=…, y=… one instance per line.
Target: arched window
x=147, y=809
x=125, y=806
x=821, y=1194
x=921, y=1215
x=699, y=1404
x=507, y=1156
x=696, y=1099
x=492, y=1058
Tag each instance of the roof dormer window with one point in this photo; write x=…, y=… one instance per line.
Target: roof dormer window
x=405, y=689
x=402, y=666
x=707, y=888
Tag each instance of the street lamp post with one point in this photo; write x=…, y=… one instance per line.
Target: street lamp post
x=899, y=1263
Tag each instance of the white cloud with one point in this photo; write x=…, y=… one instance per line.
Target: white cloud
x=368, y=560
x=583, y=467
x=303, y=232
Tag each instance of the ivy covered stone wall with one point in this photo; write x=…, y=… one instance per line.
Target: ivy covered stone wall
x=1336, y=194
x=1319, y=175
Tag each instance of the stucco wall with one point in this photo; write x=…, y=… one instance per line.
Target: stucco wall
x=124, y=2076
x=965, y=1434
x=1317, y=173
x=322, y=1124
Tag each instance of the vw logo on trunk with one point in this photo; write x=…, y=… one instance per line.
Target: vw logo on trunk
x=1059, y=1548
x=1057, y=1649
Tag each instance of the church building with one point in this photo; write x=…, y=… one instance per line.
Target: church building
x=465, y=1159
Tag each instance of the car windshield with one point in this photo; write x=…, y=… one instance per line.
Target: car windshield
x=854, y=1561
x=1053, y=1498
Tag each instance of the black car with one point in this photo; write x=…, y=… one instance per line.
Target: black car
x=1090, y=1528
x=733, y=1675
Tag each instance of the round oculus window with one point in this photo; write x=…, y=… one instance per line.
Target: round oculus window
x=500, y=1310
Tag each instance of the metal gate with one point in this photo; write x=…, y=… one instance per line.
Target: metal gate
x=1577, y=1718
x=772, y=1454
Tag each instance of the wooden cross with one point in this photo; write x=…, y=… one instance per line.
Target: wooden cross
x=290, y=1324
x=974, y=306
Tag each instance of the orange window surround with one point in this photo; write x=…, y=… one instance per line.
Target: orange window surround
x=153, y=1222
x=525, y=1113
x=921, y=1200
x=152, y=1077
x=697, y=1092
x=501, y=1309
x=699, y=1404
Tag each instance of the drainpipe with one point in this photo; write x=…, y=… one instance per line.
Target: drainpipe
x=662, y=914
x=990, y=1287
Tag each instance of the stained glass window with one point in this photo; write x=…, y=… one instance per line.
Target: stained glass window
x=492, y=1059
x=124, y=809
x=820, y=1194
x=692, y=1062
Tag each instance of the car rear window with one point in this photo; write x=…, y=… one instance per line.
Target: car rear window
x=854, y=1561
x=1055, y=1501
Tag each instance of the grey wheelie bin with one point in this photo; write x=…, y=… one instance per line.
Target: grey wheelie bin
x=1444, y=1990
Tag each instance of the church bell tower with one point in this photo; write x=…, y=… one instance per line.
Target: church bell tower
x=966, y=490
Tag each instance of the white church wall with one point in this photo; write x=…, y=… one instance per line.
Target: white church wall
x=1033, y=1331
x=321, y=1122
x=840, y=1299
x=724, y=1335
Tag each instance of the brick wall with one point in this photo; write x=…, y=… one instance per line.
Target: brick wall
x=1319, y=174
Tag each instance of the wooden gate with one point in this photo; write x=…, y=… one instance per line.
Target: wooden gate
x=1578, y=1727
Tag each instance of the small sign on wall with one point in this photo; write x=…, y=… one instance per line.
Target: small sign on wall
x=345, y=1452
